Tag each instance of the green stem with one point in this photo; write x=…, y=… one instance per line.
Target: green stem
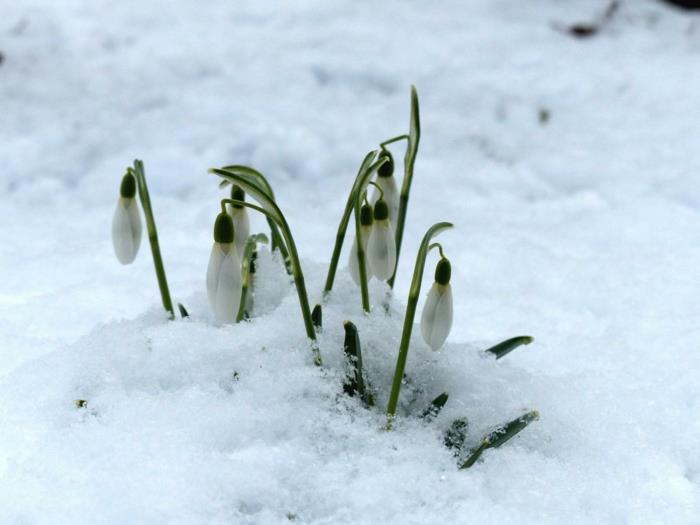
x=363, y=175
x=145, y=198
x=413, y=296
x=270, y=209
x=408, y=165
x=392, y=140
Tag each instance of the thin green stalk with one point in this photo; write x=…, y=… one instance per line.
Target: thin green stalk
x=367, y=169
x=413, y=296
x=270, y=209
x=145, y=198
x=409, y=162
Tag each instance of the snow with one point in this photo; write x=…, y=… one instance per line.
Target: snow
x=582, y=231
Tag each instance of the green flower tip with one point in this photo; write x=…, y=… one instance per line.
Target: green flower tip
x=238, y=194
x=443, y=272
x=381, y=210
x=128, y=186
x=386, y=169
x=223, y=228
x=366, y=218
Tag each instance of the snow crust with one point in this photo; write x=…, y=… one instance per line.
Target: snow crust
x=581, y=231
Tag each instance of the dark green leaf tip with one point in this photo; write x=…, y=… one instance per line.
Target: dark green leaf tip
x=381, y=210
x=238, y=194
x=183, y=311
x=366, y=218
x=386, y=169
x=443, y=272
x=128, y=186
x=435, y=406
x=505, y=347
x=317, y=316
x=223, y=228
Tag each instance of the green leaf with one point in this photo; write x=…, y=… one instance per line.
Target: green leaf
x=505, y=347
x=183, y=311
x=355, y=382
x=257, y=179
x=317, y=316
x=500, y=436
x=248, y=253
x=435, y=406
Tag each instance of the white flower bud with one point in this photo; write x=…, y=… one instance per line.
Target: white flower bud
x=381, y=250
x=436, y=321
x=126, y=230
x=391, y=196
x=224, y=281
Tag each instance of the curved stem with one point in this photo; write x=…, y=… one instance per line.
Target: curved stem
x=363, y=175
x=439, y=247
x=413, y=295
x=392, y=140
x=409, y=162
x=381, y=191
x=145, y=198
x=271, y=210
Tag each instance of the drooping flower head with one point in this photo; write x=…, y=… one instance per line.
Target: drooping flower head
x=224, y=271
x=126, y=223
x=436, y=321
x=387, y=182
x=366, y=220
x=381, y=246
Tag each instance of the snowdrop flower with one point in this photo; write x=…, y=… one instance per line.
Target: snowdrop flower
x=126, y=224
x=387, y=182
x=224, y=272
x=436, y=320
x=239, y=214
x=366, y=227
x=381, y=246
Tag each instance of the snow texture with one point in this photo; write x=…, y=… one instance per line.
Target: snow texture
x=570, y=168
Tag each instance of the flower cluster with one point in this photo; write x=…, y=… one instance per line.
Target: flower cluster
x=379, y=224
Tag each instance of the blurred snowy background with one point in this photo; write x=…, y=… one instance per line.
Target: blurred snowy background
x=570, y=167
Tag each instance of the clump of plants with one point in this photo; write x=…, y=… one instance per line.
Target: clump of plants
x=377, y=205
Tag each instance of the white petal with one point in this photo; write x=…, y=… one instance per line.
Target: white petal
x=241, y=227
x=353, y=264
x=126, y=230
x=381, y=250
x=391, y=196
x=217, y=255
x=224, y=283
x=436, y=321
